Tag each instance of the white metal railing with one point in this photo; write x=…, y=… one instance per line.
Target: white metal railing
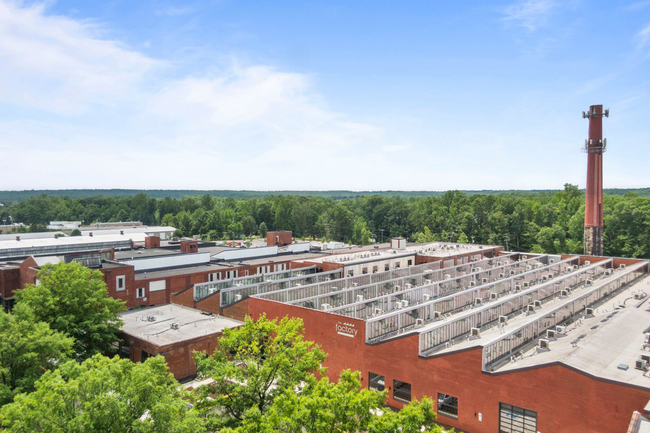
x=518, y=338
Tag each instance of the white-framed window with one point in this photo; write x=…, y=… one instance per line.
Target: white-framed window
x=214, y=277
x=245, y=273
x=120, y=283
x=263, y=269
x=280, y=267
x=139, y=293
x=232, y=274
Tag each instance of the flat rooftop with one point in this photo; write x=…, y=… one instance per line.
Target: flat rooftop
x=599, y=344
x=191, y=324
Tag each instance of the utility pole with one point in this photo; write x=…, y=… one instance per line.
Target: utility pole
x=506, y=238
x=382, y=235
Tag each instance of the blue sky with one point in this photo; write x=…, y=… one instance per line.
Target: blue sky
x=418, y=95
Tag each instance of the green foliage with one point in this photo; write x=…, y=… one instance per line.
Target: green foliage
x=548, y=221
x=103, y=395
x=325, y=407
x=270, y=357
x=360, y=233
x=75, y=232
x=27, y=349
x=263, y=229
x=74, y=300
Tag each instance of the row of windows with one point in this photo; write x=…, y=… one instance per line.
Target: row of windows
x=512, y=419
x=375, y=268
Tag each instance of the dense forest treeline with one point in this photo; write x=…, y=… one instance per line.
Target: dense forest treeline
x=551, y=223
x=15, y=196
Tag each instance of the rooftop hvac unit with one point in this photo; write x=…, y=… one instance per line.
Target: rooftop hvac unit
x=512, y=272
x=211, y=291
x=377, y=311
x=398, y=288
x=641, y=364
x=530, y=308
x=484, y=280
x=560, y=329
x=398, y=305
x=608, y=272
x=543, y=344
x=526, y=284
x=437, y=315
x=237, y=297
x=476, y=332
x=569, y=268
x=478, y=301
x=151, y=318
x=334, y=289
x=552, y=261
x=501, y=275
x=174, y=325
x=472, y=283
x=405, y=303
x=447, y=276
x=588, y=282
x=419, y=322
x=539, y=265
x=426, y=297
x=407, y=286
x=517, y=287
x=645, y=357
x=589, y=311
x=621, y=266
x=564, y=293
x=359, y=298
x=503, y=319
x=550, y=276
x=355, y=284
x=550, y=334
x=494, y=296
x=498, y=263
x=479, y=269
x=587, y=262
x=325, y=307
x=538, y=304
x=529, y=267
x=544, y=277
x=473, y=270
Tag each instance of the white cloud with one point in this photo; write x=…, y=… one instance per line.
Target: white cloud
x=643, y=37
x=637, y=6
x=174, y=12
x=530, y=14
x=59, y=64
x=107, y=113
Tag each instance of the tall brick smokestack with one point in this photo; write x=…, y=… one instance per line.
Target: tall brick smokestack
x=595, y=145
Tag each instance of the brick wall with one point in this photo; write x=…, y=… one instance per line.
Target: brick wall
x=567, y=401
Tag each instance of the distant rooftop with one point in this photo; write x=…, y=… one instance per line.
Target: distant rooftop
x=191, y=324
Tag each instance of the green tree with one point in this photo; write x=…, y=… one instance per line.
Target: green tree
x=27, y=349
x=270, y=357
x=325, y=407
x=75, y=232
x=425, y=236
x=249, y=225
x=103, y=395
x=462, y=238
x=360, y=232
x=263, y=229
x=73, y=299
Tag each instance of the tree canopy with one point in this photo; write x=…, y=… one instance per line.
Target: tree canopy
x=73, y=299
x=103, y=395
x=269, y=356
x=27, y=350
x=324, y=407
